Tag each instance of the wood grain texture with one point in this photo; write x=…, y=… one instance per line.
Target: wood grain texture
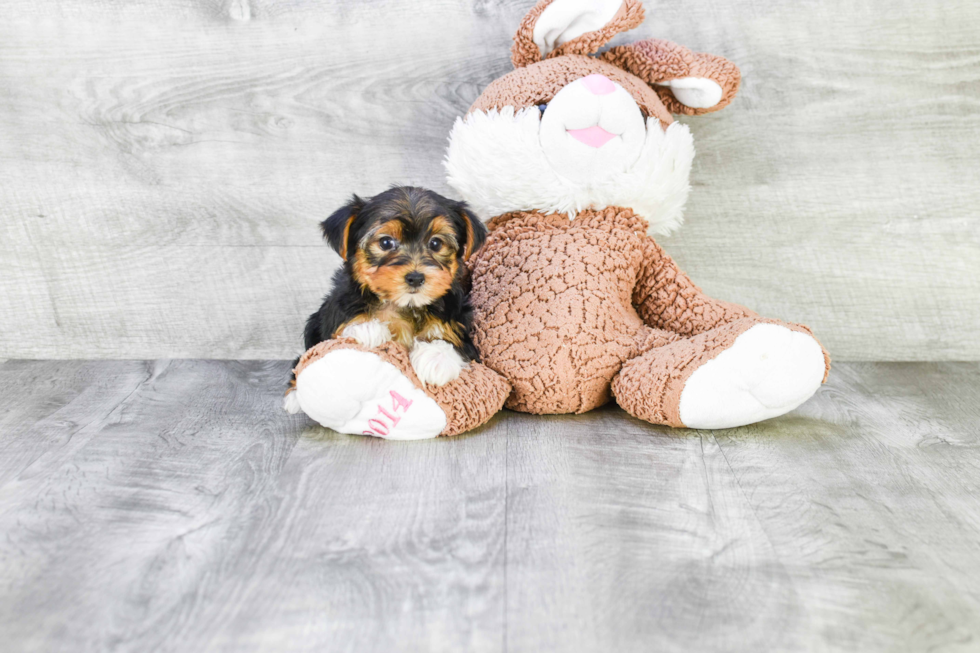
x=164, y=164
x=171, y=506
x=174, y=506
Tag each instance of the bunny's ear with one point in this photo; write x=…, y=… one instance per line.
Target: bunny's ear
x=556, y=27
x=687, y=82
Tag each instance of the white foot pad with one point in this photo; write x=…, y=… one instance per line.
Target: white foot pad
x=767, y=372
x=436, y=362
x=354, y=391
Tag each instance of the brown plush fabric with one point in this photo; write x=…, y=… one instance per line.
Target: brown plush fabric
x=525, y=51
x=656, y=60
x=666, y=298
x=538, y=83
x=649, y=386
x=561, y=305
x=630, y=15
x=469, y=401
x=553, y=311
x=651, y=60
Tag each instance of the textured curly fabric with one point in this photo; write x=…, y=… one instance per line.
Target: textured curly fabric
x=630, y=15
x=649, y=386
x=561, y=305
x=656, y=60
x=666, y=298
x=472, y=399
x=525, y=51
x=469, y=401
x=539, y=82
x=553, y=308
x=634, y=67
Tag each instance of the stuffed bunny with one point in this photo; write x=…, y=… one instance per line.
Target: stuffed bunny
x=581, y=162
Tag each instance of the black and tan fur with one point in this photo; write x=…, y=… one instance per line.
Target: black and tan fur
x=383, y=239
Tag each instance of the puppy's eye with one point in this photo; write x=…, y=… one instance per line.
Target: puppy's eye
x=387, y=243
x=435, y=244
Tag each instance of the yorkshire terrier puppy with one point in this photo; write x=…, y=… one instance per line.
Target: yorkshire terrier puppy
x=404, y=278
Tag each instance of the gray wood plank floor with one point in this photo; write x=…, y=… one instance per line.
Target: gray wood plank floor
x=171, y=506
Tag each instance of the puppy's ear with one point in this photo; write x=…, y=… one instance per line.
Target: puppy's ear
x=336, y=228
x=471, y=229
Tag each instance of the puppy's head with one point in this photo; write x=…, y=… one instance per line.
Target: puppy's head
x=406, y=245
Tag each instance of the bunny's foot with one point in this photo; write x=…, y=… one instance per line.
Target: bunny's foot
x=375, y=391
x=736, y=374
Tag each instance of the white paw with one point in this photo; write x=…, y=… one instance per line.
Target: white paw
x=291, y=403
x=368, y=334
x=767, y=372
x=436, y=362
x=354, y=391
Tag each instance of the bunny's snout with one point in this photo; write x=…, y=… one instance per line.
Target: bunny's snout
x=595, y=136
x=591, y=129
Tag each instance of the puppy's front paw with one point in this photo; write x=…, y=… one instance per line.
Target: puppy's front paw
x=291, y=403
x=368, y=334
x=436, y=362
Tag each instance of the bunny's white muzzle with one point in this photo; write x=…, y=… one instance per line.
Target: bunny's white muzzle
x=592, y=129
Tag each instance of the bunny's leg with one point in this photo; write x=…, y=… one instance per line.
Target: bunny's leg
x=738, y=373
x=351, y=388
x=730, y=366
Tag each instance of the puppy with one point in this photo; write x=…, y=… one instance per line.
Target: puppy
x=404, y=278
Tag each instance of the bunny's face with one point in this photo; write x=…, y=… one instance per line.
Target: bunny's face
x=575, y=131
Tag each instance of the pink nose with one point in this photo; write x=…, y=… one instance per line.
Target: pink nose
x=599, y=84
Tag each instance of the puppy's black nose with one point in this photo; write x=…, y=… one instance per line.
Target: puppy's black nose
x=414, y=279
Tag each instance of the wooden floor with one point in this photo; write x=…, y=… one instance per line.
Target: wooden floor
x=171, y=506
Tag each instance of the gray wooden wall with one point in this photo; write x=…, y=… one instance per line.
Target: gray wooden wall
x=164, y=164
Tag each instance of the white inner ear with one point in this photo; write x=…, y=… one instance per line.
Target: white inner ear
x=695, y=92
x=564, y=20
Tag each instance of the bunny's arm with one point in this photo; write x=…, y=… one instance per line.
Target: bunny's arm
x=667, y=299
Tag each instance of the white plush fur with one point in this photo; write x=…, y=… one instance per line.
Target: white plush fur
x=576, y=107
x=695, y=92
x=350, y=391
x=564, y=20
x=436, y=362
x=368, y=334
x=768, y=371
x=496, y=162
